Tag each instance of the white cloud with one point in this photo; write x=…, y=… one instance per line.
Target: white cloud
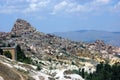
x=36, y=5
x=116, y=7
x=71, y=6
x=10, y=6
x=103, y=1
x=66, y=6
x=32, y=1
x=22, y=6
x=60, y=7
x=56, y=6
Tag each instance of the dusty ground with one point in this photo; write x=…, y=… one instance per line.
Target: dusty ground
x=1, y=78
x=8, y=73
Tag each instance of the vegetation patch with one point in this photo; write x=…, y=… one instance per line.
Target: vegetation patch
x=105, y=72
x=8, y=54
x=21, y=56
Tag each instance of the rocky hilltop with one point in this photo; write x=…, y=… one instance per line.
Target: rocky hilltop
x=39, y=43
x=55, y=54
x=22, y=27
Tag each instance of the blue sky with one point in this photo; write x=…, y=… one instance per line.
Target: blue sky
x=50, y=16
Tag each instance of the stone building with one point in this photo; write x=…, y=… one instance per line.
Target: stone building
x=12, y=50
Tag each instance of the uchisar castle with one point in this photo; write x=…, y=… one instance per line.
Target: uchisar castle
x=27, y=54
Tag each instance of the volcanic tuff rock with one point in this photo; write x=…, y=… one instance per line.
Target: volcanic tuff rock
x=33, y=41
x=38, y=44
x=55, y=55
x=22, y=27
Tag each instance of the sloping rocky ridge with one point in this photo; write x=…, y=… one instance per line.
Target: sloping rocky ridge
x=9, y=70
x=56, y=54
x=38, y=44
x=7, y=73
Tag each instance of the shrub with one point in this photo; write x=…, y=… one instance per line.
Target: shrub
x=21, y=56
x=8, y=54
x=1, y=52
x=105, y=72
x=39, y=67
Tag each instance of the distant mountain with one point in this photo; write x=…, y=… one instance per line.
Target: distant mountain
x=112, y=38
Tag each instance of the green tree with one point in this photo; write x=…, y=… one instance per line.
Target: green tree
x=21, y=56
x=8, y=54
x=79, y=70
x=39, y=67
x=8, y=45
x=105, y=72
x=116, y=72
x=107, y=67
x=1, y=52
x=99, y=67
x=83, y=73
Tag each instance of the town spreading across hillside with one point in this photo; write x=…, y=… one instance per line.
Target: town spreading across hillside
x=39, y=56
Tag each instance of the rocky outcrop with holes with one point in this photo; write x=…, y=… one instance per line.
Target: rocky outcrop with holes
x=52, y=56
x=22, y=27
x=35, y=43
